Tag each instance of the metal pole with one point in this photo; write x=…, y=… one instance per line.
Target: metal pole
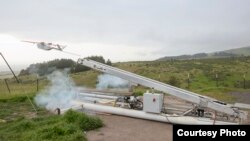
x=188, y=80
x=10, y=68
x=5, y=80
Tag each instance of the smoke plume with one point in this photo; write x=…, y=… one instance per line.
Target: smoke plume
x=59, y=94
x=109, y=81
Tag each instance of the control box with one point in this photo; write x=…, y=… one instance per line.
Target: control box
x=152, y=102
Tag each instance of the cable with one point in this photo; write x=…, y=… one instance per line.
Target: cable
x=72, y=53
x=9, y=67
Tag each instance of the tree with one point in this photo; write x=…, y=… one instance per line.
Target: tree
x=50, y=66
x=97, y=59
x=80, y=68
x=23, y=72
x=109, y=62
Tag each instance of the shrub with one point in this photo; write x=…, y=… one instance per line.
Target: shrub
x=174, y=81
x=84, y=121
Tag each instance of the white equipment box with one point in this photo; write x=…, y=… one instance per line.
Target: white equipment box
x=152, y=102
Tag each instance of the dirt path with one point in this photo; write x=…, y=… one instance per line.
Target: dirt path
x=119, y=128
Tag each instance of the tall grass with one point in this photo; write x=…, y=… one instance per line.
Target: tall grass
x=68, y=127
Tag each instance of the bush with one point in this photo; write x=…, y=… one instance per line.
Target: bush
x=71, y=116
x=84, y=121
x=138, y=93
x=174, y=81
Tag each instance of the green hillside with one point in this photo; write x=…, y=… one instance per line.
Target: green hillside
x=202, y=76
x=240, y=51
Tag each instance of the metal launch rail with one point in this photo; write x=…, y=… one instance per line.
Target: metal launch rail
x=200, y=101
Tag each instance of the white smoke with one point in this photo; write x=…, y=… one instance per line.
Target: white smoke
x=109, y=81
x=33, y=69
x=59, y=94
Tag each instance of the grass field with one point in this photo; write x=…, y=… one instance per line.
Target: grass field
x=202, y=75
x=19, y=122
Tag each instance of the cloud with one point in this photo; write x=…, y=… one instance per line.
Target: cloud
x=130, y=29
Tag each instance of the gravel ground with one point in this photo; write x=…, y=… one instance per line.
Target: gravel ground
x=119, y=128
x=243, y=97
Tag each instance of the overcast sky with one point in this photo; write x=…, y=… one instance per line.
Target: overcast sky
x=121, y=30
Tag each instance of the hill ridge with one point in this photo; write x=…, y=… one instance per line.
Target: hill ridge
x=236, y=52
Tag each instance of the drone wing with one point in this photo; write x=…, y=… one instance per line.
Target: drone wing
x=31, y=42
x=62, y=46
x=59, y=47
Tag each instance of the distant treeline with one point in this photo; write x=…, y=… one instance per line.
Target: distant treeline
x=48, y=67
x=201, y=56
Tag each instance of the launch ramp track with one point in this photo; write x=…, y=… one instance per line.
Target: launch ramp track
x=201, y=101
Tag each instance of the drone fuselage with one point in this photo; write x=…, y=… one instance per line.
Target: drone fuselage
x=44, y=46
x=47, y=46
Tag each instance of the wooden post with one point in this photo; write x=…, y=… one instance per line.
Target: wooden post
x=188, y=80
x=5, y=80
x=216, y=77
x=37, y=84
x=244, y=81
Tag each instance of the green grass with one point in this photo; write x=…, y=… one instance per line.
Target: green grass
x=15, y=106
x=85, y=79
x=28, y=85
x=202, y=73
x=19, y=122
x=68, y=127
